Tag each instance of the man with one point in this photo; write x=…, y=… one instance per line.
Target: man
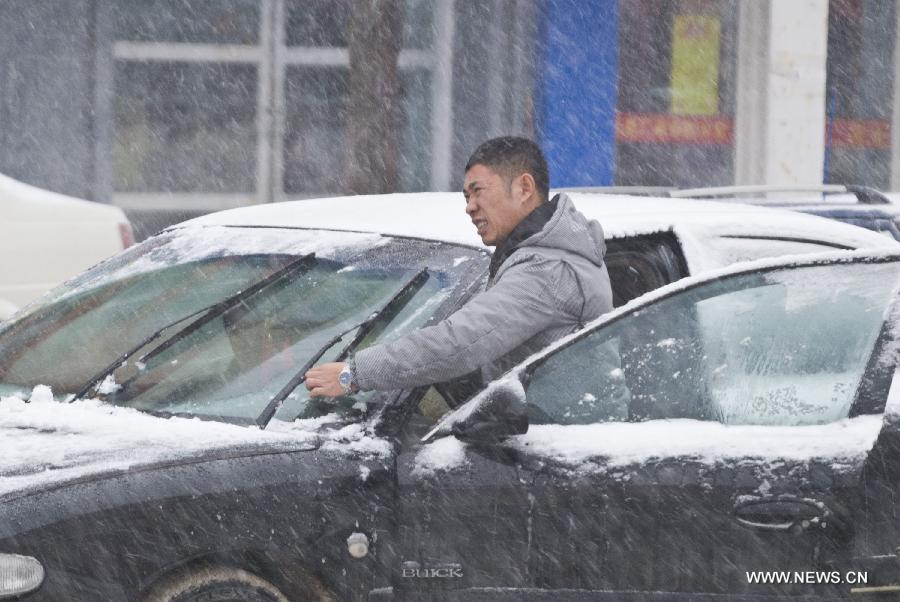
x=546, y=279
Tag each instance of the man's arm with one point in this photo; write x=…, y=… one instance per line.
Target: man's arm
x=528, y=298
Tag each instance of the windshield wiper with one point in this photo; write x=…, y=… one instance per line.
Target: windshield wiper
x=209, y=313
x=375, y=323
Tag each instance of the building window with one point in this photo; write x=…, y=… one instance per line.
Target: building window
x=185, y=127
x=232, y=102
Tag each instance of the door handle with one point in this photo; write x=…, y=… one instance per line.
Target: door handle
x=781, y=513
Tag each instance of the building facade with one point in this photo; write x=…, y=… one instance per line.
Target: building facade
x=207, y=104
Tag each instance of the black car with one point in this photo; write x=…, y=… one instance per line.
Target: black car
x=191, y=465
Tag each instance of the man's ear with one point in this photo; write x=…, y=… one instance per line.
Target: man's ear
x=524, y=187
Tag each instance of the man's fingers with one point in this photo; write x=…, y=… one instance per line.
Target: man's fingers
x=323, y=380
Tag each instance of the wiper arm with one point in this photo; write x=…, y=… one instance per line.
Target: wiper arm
x=209, y=313
x=378, y=320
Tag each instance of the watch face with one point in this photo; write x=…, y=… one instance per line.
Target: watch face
x=345, y=378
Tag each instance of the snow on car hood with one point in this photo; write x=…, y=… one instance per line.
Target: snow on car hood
x=47, y=441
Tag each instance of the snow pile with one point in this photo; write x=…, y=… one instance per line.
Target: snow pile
x=625, y=443
x=356, y=439
x=443, y=454
x=47, y=441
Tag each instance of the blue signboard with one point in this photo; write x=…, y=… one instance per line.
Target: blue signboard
x=576, y=95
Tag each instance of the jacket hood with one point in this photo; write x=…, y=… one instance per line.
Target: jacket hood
x=569, y=230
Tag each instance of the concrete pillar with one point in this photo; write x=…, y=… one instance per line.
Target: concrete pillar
x=780, y=113
x=895, y=119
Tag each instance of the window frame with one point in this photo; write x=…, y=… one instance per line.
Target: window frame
x=272, y=58
x=660, y=250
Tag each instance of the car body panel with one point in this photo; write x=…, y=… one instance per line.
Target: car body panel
x=693, y=222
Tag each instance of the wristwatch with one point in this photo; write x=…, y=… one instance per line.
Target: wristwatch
x=347, y=378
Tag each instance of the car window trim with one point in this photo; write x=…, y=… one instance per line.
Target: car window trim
x=808, y=241
x=878, y=374
x=452, y=243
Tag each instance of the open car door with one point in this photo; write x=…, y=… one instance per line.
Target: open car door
x=716, y=437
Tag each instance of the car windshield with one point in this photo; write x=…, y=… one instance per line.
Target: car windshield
x=235, y=363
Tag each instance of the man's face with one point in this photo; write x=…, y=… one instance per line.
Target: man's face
x=494, y=206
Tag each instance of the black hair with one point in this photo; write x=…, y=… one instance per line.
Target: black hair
x=511, y=156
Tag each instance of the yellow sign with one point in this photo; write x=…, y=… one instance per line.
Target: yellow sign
x=695, y=65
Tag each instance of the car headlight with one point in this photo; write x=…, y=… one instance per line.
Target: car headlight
x=19, y=575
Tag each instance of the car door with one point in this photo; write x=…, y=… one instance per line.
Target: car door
x=731, y=436
x=463, y=522
x=718, y=429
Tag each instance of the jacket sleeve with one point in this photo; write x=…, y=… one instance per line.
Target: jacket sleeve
x=528, y=298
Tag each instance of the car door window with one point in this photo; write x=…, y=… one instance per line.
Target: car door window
x=778, y=347
x=638, y=264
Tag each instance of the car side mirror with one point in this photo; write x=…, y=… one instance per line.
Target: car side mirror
x=498, y=412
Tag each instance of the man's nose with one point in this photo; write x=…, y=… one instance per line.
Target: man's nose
x=471, y=206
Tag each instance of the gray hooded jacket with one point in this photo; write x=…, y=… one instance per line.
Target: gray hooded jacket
x=549, y=286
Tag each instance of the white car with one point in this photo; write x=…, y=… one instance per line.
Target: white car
x=47, y=237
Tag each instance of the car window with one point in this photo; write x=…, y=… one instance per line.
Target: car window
x=82, y=327
x=84, y=332
x=234, y=365
x=783, y=347
x=639, y=264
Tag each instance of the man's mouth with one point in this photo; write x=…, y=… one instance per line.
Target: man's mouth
x=480, y=225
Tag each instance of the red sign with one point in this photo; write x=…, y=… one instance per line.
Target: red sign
x=664, y=128
x=860, y=133
x=679, y=129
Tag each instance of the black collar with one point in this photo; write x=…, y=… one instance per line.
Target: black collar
x=530, y=225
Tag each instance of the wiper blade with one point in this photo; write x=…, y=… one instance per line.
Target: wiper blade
x=374, y=323
x=209, y=313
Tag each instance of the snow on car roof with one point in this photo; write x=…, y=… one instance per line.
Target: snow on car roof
x=441, y=216
x=31, y=202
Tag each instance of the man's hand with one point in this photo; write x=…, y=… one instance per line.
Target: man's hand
x=322, y=381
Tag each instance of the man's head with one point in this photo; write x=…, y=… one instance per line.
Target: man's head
x=506, y=179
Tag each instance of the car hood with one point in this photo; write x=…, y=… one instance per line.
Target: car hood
x=48, y=443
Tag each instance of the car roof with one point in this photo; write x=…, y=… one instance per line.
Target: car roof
x=441, y=216
x=22, y=202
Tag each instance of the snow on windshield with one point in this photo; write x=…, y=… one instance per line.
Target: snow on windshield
x=48, y=441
